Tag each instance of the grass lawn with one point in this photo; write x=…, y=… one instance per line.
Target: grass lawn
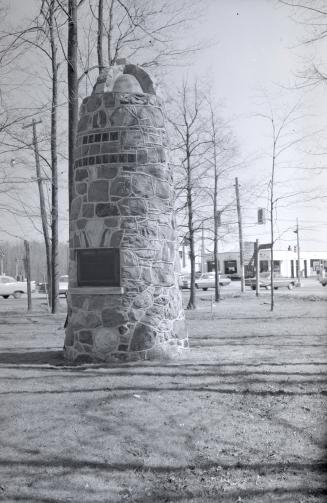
x=242, y=418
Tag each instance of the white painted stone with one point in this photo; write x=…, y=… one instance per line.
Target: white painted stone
x=127, y=84
x=106, y=339
x=94, y=230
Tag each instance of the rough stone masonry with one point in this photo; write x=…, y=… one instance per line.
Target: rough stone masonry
x=123, y=301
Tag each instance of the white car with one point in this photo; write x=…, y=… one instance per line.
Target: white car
x=207, y=280
x=9, y=286
x=63, y=285
x=265, y=282
x=184, y=281
x=323, y=280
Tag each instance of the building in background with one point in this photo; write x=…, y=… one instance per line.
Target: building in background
x=285, y=262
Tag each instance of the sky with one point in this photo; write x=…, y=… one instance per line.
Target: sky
x=252, y=57
x=255, y=65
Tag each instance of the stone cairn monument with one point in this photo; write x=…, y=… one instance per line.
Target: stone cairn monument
x=123, y=300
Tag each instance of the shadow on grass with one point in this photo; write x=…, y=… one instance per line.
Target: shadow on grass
x=56, y=357
x=250, y=495
x=172, y=388
x=289, y=377
x=263, y=468
x=230, y=497
x=46, y=357
x=209, y=491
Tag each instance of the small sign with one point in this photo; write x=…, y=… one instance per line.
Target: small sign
x=98, y=267
x=248, y=250
x=261, y=216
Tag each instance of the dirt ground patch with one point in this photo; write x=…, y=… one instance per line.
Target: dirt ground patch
x=242, y=418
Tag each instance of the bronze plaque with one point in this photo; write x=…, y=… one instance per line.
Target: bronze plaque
x=98, y=267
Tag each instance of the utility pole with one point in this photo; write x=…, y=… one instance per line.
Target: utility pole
x=28, y=274
x=240, y=232
x=202, y=249
x=298, y=253
x=2, y=256
x=257, y=267
x=45, y=229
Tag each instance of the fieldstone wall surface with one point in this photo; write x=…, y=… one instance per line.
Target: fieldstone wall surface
x=123, y=198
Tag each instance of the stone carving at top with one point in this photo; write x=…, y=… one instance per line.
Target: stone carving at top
x=124, y=78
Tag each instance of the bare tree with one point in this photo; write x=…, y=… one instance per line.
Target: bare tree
x=43, y=209
x=49, y=12
x=131, y=28
x=190, y=146
x=14, y=254
x=148, y=33
x=220, y=157
x=42, y=35
x=151, y=34
x=72, y=73
x=312, y=15
x=284, y=136
x=19, y=147
x=100, y=34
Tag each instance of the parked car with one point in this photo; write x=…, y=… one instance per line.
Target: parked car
x=63, y=285
x=265, y=282
x=184, y=281
x=234, y=276
x=323, y=280
x=9, y=286
x=207, y=280
x=42, y=287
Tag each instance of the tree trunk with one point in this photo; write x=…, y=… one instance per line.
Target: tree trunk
x=54, y=170
x=272, y=299
x=110, y=28
x=43, y=211
x=100, y=35
x=215, y=258
x=215, y=218
x=192, y=300
x=72, y=90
